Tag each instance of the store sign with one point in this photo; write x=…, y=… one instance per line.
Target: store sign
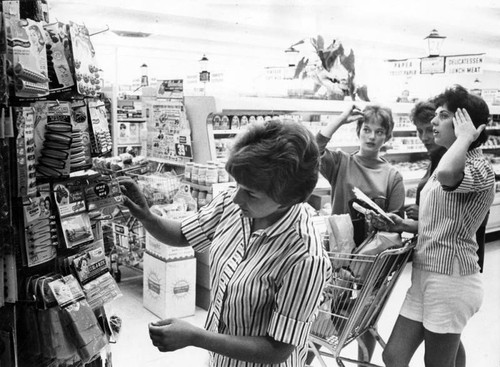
x=276, y=73
x=464, y=64
x=432, y=65
x=172, y=88
x=404, y=67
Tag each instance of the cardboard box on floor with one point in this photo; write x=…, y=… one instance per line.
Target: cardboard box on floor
x=161, y=250
x=169, y=283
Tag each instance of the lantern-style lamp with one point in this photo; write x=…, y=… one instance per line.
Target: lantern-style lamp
x=144, y=75
x=204, y=73
x=476, y=87
x=291, y=56
x=434, y=43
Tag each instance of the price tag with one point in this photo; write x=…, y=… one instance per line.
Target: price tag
x=183, y=150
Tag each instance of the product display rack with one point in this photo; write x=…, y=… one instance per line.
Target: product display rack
x=50, y=243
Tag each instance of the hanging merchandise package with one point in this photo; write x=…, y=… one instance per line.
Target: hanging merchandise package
x=24, y=119
x=59, y=58
x=100, y=136
x=26, y=50
x=79, y=319
x=54, y=337
x=102, y=192
x=53, y=138
x=40, y=231
x=85, y=64
x=80, y=123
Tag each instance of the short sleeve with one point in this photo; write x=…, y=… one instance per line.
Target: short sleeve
x=298, y=300
x=478, y=176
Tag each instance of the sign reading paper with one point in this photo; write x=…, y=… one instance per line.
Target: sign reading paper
x=464, y=64
x=404, y=67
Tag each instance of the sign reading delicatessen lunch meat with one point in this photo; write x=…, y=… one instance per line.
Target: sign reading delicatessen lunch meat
x=464, y=64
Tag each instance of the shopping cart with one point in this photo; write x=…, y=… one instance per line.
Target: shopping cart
x=354, y=299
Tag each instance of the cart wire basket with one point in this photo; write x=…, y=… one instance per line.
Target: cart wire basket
x=354, y=300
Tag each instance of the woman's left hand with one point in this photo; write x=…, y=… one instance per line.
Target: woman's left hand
x=171, y=334
x=464, y=127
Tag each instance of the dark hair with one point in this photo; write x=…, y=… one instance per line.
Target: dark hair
x=456, y=97
x=377, y=113
x=423, y=112
x=278, y=158
x=81, y=262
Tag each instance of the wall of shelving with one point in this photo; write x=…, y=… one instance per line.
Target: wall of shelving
x=405, y=149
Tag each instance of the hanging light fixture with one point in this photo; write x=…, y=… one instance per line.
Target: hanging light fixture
x=204, y=73
x=434, y=43
x=476, y=87
x=144, y=75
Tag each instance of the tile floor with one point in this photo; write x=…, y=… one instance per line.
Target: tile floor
x=481, y=337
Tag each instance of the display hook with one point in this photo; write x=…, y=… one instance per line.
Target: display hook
x=98, y=32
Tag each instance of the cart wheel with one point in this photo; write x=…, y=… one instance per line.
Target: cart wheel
x=118, y=275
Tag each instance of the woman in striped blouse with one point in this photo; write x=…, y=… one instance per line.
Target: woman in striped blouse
x=446, y=287
x=267, y=263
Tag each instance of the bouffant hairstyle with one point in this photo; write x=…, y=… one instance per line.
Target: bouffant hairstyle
x=280, y=158
x=456, y=97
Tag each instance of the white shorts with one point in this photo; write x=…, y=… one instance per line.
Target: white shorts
x=443, y=303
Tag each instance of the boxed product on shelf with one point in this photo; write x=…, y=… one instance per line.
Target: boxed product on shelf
x=169, y=286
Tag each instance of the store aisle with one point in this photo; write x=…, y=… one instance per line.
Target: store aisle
x=481, y=337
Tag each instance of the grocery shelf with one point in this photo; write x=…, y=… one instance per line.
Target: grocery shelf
x=131, y=119
x=405, y=151
x=167, y=161
x=225, y=132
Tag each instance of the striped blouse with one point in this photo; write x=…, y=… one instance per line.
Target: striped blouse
x=449, y=217
x=264, y=283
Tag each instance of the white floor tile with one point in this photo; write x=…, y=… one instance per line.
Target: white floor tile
x=481, y=337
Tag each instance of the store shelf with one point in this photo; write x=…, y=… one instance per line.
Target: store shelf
x=131, y=119
x=167, y=161
x=225, y=132
x=405, y=151
x=214, y=188
x=404, y=130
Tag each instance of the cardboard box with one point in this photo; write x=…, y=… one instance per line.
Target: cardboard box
x=169, y=287
x=166, y=252
x=202, y=274
x=202, y=297
x=202, y=280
